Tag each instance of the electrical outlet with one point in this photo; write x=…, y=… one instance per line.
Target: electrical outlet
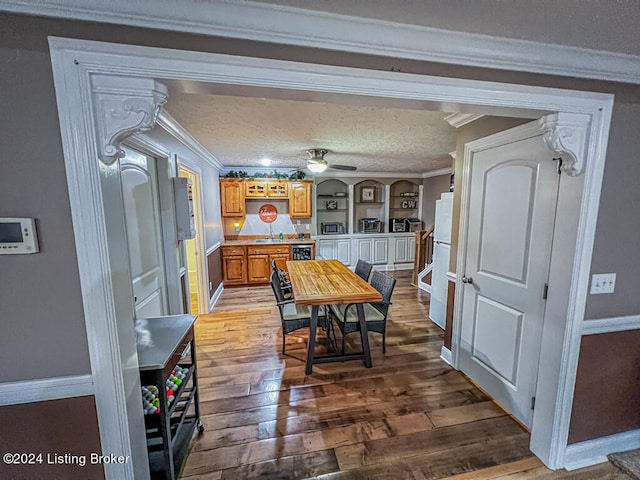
x=307, y=225
x=603, y=283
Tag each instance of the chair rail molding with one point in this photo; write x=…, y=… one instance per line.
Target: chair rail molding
x=124, y=106
x=567, y=133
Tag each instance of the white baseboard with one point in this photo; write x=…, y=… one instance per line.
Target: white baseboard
x=445, y=354
x=216, y=296
x=591, y=452
x=43, y=389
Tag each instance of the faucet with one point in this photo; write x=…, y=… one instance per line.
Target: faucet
x=271, y=231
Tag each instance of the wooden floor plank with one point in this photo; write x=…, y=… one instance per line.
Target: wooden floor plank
x=411, y=416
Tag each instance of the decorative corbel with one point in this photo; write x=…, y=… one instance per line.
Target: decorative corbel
x=123, y=106
x=567, y=134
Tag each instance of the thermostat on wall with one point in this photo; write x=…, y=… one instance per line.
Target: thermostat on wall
x=18, y=235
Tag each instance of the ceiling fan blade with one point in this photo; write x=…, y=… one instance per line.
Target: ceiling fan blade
x=343, y=167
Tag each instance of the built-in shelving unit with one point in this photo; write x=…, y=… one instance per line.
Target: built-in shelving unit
x=332, y=203
x=369, y=202
x=404, y=199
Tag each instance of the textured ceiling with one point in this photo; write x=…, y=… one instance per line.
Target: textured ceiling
x=241, y=131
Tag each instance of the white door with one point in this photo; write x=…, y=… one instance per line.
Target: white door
x=512, y=204
x=144, y=234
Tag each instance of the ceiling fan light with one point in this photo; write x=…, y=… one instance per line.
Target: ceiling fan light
x=316, y=167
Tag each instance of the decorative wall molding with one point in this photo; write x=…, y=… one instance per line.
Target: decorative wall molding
x=437, y=173
x=123, y=106
x=44, y=389
x=295, y=26
x=171, y=125
x=591, y=452
x=144, y=144
x=212, y=248
x=458, y=120
x=610, y=325
x=216, y=296
x=567, y=134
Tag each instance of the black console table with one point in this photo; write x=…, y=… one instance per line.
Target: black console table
x=163, y=343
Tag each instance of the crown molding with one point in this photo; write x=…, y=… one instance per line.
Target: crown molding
x=458, y=120
x=437, y=173
x=171, y=125
x=296, y=26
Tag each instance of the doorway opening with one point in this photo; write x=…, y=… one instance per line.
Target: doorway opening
x=81, y=68
x=194, y=249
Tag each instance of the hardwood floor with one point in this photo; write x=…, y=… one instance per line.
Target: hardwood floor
x=411, y=416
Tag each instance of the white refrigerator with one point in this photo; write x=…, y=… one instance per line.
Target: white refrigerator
x=441, y=249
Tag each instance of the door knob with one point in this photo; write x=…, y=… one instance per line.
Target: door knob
x=466, y=279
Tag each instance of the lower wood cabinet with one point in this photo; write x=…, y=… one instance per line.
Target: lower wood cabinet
x=258, y=268
x=251, y=264
x=234, y=265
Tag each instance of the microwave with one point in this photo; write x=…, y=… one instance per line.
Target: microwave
x=398, y=225
x=369, y=225
x=335, y=228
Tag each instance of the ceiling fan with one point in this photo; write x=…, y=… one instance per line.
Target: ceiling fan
x=317, y=164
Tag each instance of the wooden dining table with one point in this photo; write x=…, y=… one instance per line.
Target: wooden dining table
x=329, y=282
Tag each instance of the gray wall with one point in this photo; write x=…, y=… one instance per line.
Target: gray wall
x=433, y=188
x=40, y=303
x=41, y=310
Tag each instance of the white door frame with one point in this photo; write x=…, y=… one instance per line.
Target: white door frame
x=202, y=268
x=106, y=92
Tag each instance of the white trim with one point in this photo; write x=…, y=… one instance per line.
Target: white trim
x=591, y=452
x=445, y=354
x=452, y=277
x=327, y=174
x=458, y=120
x=44, y=389
x=437, y=173
x=295, y=26
x=171, y=125
x=357, y=174
x=97, y=235
x=216, y=296
x=145, y=144
x=212, y=249
x=611, y=324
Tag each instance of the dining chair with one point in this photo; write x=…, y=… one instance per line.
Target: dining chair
x=285, y=284
x=294, y=317
x=363, y=269
x=346, y=316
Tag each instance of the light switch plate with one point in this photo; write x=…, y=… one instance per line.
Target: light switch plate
x=603, y=283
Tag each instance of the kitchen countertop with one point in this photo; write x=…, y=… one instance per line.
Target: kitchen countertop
x=266, y=241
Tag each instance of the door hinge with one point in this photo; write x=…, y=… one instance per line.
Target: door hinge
x=545, y=292
x=533, y=403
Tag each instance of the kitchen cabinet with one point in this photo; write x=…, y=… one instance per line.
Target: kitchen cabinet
x=259, y=261
x=335, y=249
x=250, y=263
x=300, y=199
x=266, y=188
x=232, y=198
x=373, y=249
x=234, y=269
x=403, y=248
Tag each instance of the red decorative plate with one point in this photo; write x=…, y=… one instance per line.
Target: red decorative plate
x=268, y=213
